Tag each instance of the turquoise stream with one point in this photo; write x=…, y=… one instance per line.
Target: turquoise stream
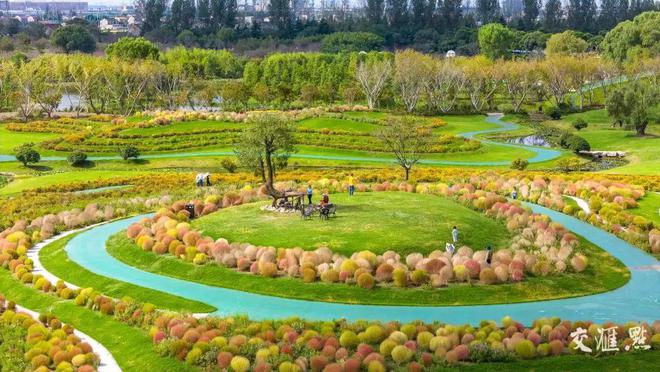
x=638, y=300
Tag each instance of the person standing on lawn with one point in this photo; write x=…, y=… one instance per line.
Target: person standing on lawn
x=351, y=185
x=310, y=191
x=454, y=234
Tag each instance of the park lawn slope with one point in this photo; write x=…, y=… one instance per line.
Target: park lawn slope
x=402, y=222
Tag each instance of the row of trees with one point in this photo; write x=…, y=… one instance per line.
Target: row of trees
x=413, y=80
x=400, y=22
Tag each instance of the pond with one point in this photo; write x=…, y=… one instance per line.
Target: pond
x=532, y=140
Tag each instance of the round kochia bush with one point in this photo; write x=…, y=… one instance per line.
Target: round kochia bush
x=299, y=345
x=539, y=247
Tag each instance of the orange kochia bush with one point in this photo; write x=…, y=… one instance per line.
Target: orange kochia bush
x=538, y=246
x=299, y=345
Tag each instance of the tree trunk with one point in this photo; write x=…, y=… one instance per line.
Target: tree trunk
x=641, y=128
x=407, y=173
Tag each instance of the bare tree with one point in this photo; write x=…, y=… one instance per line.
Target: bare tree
x=373, y=76
x=482, y=80
x=520, y=78
x=556, y=75
x=445, y=82
x=407, y=139
x=411, y=71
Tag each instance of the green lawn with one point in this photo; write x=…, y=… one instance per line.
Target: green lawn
x=56, y=261
x=9, y=140
x=377, y=221
x=643, y=152
x=649, y=207
x=28, y=182
x=337, y=124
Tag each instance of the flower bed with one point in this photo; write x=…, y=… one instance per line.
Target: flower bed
x=539, y=247
x=47, y=344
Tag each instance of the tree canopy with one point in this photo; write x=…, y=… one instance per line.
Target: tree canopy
x=132, y=48
x=74, y=38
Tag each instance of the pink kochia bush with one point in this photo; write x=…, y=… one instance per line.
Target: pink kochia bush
x=538, y=246
x=299, y=345
x=608, y=201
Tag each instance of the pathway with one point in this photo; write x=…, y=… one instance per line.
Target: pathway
x=638, y=300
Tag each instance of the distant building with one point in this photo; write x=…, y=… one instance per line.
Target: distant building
x=47, y=6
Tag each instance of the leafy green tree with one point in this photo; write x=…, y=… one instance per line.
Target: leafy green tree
x=397, y=13
x=565, y=43
x=204, y=13
x=530, y=12
x=631, y=40
x=74, y=38
x=552, y=20
x=580, y=124
x=375, y=10
x=26, y=154
x=519, y=164
x=133, y=48
x=280, y=13
x=635, y=104
x=452, y=13
x=129, y=152
x=264, y=146
x=608, y=17
x=581, y=14
x=152, y=11
x=351, y=42
x=495, y=41
x=76, y=158
x=407, y=139
x=488, y=11
x=577, y=144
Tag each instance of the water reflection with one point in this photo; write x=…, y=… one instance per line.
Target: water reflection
x=532, y=140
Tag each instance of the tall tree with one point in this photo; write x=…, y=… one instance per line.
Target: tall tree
x=422, y=13
x=176, y=15
x=204, y=13
x=608, y=16
x=452, y=12
x=581, y=14
x=495, y=40
x=280, y=13
x=622, y=9
x=217, y=10
x=153, y=11
x=397, y=12
x=530, y=12
x=488, y=11
x=553, y=16
x=372, y=75
x=188, y=12
x=264, y=146
x=411, y=71
x=407, y=140
x=231, y=9
x=375, y=11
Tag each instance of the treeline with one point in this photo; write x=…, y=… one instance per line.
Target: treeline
x=405, y=80
x=427, y=25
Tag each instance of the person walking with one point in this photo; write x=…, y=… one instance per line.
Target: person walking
x=351, y=185
x=489, y=254
x=450, y=248
x=198, y=179
x=514, y=194
x=310, y=191
x=208, y=179
x=454, y=234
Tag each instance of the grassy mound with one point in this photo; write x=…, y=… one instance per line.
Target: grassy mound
x=403, y=222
